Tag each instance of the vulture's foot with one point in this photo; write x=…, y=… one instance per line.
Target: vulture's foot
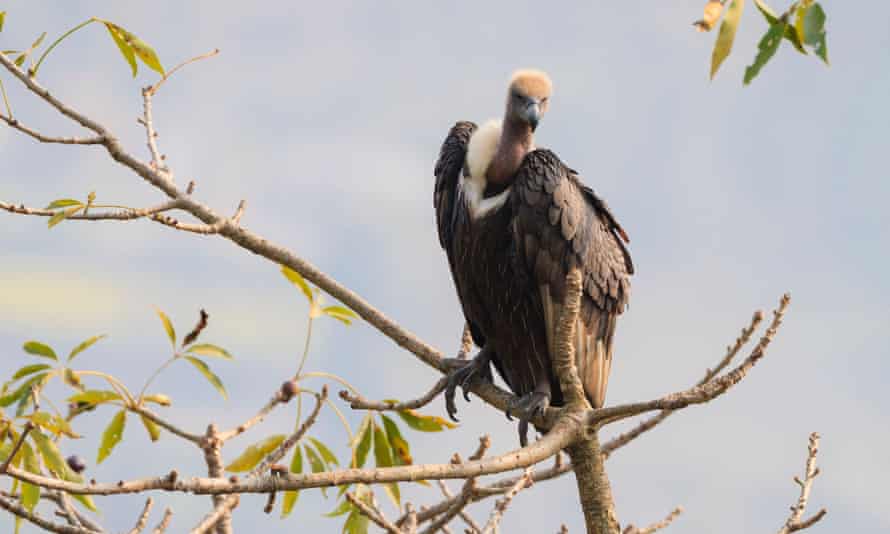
x=464, y=373
x=526, y=408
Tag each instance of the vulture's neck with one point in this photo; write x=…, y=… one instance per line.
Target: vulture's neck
x=517, y=140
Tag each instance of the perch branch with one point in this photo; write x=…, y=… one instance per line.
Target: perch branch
x=794, y=522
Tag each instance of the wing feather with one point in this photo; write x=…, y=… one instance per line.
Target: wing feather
x=560, y=223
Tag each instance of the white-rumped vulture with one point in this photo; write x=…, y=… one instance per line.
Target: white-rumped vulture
x=514, y=220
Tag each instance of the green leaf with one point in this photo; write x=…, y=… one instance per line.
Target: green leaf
x=813, y=23
x=767, y=49
x=154, y=431
x=53, y=423
x=364, y=438
x=298, y=281
x=112, y=435
x=84, y=346
x=325, y=452
x=208, y=374
x=290, y=497
x=123, y=46
x=39, y=349
x=206, y=349
x=771, y=18
x=255, y=453
x=52, y=457
x=400, y=448
x=23, y=391
x=86, y=501
x=30, y=493
x=726, y=36
x=158, y=398
x=425, y=423
x=2, y=19
x=29, y=369
x=342, y=508
x=168, y=326
x=62, y=215
x=146, y=54
x=383, y=458
x=314, y=460
x=63, y=203
x=356, y=523
x=95, y=396
x=19, y=61
x=340, y=313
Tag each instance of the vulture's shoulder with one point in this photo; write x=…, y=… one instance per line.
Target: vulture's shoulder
x=447, y=172
x=560, y=223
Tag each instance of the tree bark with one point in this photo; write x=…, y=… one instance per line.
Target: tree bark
x=593, y=486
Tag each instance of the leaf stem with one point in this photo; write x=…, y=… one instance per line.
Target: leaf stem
x=155, y=375
x=118, y=386
x=305, y=347
x=5, y=100
x=33, y=70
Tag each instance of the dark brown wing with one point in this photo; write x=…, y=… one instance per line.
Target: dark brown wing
x=559, y=224
x=448, y=171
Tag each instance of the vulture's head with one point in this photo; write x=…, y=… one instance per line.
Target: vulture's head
x=528, y=97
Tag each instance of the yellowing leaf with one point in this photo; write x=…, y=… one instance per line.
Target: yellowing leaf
x=364, y=438
x=290, y=497
x=39, y=349
x=813, y=25
x=711, y=15
x=29, y=369
x=24, y=390
x=208, y=374
x=206, y=349
x=95, y=396
x=113, y=434
x=72, y=378
x=790, y=32
x=342, y=314
x=726, y=36
x=123, y=46
x=30, y=493
x=52, y=457
x=255, y=453
x=63, y=203
x=158, y=398
x=154, y=431
x=400, y=448
x=84, y=346
x=62, y=215
x=325, y=452
x=297, y=279
x=425, y=423
x=342, y=508
x=383, y=458
x=53, y=423
x=2, y=19
x=168, y=326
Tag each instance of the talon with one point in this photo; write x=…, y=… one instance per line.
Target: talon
x=463, y=375
x=526, y=408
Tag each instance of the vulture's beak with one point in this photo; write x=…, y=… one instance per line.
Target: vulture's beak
x=532, y=112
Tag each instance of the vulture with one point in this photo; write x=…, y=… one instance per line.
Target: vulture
x=514, y=220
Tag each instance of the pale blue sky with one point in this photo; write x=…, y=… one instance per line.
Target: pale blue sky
x=327, y=118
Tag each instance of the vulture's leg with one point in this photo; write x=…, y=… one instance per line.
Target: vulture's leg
x=465, y=373
x=528, y=406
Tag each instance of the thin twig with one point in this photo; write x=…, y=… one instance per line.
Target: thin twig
x=45, y=524
x=14, y=123
x=255, y=420
x=18, y=445
x=154, y=88
x=498, y=513
x=794, y=522
x=222, y=510
x=143, y=517
x=630, y=529
x=471, y=523
x=165, y=522
x=357, y=402
x=372, y=514
x=119, y=215
x=463, y=499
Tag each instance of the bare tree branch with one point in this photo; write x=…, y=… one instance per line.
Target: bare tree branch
x=212, y=446
x=372, y=514
x=143, y=517
x=14, y=123
x=655, y=526
x=466, y=492
x=473, y=526
x=524, y=481
x=165, y=522
x=47, y=525
x=794, y=522
x=357, y=402
x=218, y=515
